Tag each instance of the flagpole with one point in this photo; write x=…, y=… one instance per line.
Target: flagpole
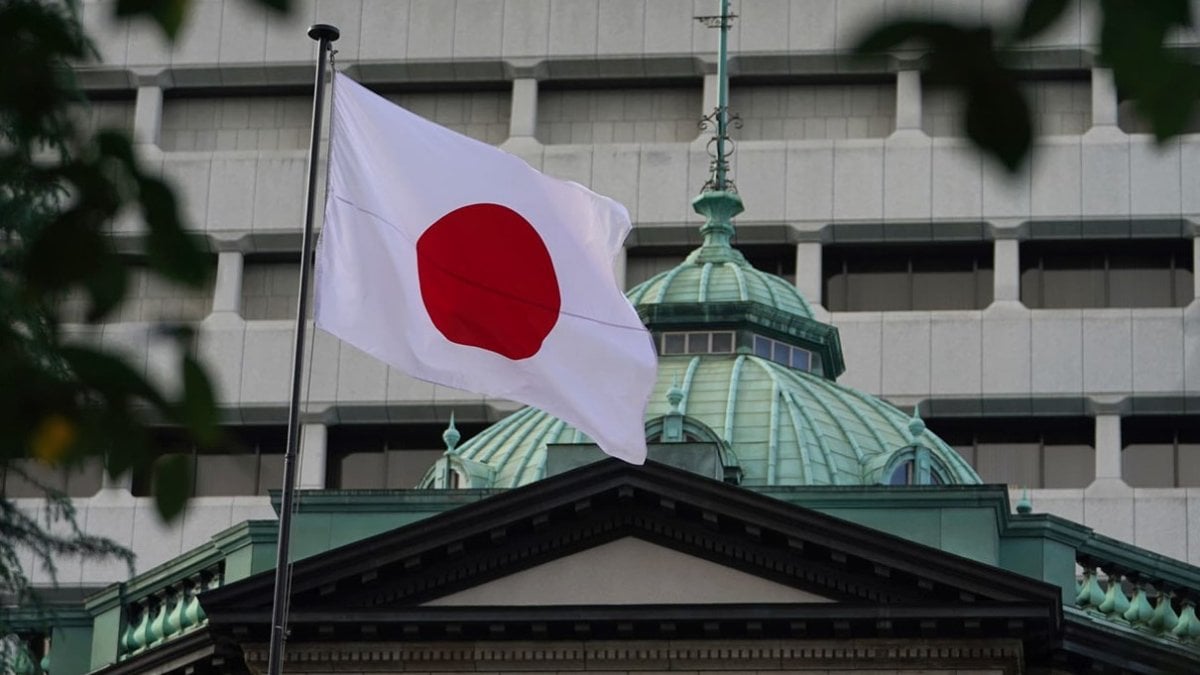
x=325, y=35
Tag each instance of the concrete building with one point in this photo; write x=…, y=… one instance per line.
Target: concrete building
x=1045, y=323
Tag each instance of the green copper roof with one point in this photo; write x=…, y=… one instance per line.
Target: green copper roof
x=717, y=272
x=701, y=279
x=784, y=426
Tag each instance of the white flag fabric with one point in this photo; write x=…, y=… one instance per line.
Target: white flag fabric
x=461, y=265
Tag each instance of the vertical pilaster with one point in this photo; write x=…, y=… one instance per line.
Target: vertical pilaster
x=523, y=119
x=709, y=97
x=122, y=482
x=808, y=270
x=227, y=291
x=1196, y=266
x=908, y=100
x=1108, y=448
x=147, y=115
x=1104, y=98
x=313, y=457
x=1006, y=270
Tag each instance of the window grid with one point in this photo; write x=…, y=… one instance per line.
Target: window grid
x=676, y=343
x=1033, y=452
x=782, y=353
x=1160, y=451
x=377, y=457
x=882, y=277
x=1106, y=274
x=249, y=462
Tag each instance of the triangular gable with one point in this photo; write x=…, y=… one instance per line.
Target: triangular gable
x=627, y=571
x=508, y=534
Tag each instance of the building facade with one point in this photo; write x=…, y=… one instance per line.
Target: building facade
x=1045, y=323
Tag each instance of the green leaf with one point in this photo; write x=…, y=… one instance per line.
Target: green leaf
x=198, y=409
x=1160, y=80
x=111, y=377
x=964, y=59
x=168, y=14
x=1039, y=15
x=894, y=34
x=106, y=286
x=172, y=484
x=65, y=252
x=277, y=5
x=998, y=119
x=171, y=251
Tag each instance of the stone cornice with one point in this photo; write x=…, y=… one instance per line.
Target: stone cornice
x=762, y=655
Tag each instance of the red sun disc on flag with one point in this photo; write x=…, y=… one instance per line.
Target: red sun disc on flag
x=487, y=280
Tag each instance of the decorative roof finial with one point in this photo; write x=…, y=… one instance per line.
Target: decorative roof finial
x=1025, y=505
x=451, y=436
x=916, y=425
x=718, y=201
x=675, y=396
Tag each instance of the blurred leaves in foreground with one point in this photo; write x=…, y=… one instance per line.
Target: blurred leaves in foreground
x=1162, y=80
x=65, y=402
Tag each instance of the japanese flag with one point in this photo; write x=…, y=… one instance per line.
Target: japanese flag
x=459, y=264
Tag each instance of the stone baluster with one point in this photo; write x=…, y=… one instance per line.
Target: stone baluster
x=194, y=614
x=1116, y=603
x=157, y=625
x=189, y=604
x=143, y=628
x=1188, y=626
x=171, y=625
x=1140, y=611
x=1164, y=619
x=1090, y=595
x=125, y=645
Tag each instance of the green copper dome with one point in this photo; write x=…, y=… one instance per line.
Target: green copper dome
x=780, y=425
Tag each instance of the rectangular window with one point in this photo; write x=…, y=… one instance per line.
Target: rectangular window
x=887, y=277
x=1034, y=452
x=269, y=288
x=762, y=347
x=813, y=110
x=249, y=461
x=697, y=343
x=1106, y=273
x=674, y=343
x=777, y=259
x=1160, y=451
x=78, y=480
x=722, y=343
x=800, y=359
x=782, y=354
x=662, y=113
x=643, y=262
x=376, y=457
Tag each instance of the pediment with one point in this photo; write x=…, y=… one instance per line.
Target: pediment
x=616, y=548
x=627, y=571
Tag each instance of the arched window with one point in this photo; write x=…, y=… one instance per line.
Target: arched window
x=915, y=465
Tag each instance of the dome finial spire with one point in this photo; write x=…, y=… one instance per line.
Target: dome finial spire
x=718, y=201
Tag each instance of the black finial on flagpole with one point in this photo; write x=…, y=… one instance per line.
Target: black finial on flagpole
x=324, y=34
x=324, y=31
